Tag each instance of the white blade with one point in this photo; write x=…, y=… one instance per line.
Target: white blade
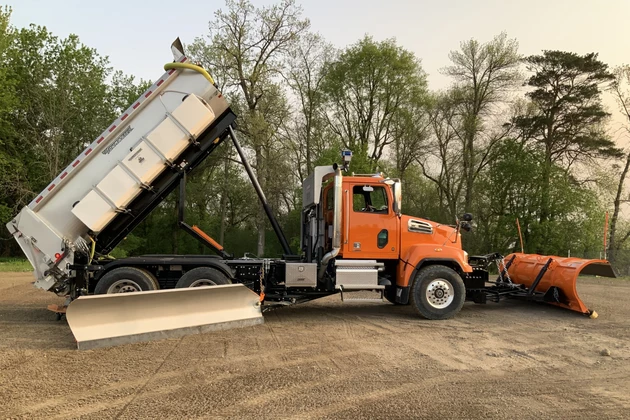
x=122, y=318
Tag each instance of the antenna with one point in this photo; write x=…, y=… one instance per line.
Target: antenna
x=605, y=235
x=520, y=236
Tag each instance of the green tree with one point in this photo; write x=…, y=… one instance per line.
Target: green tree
x=124, y=91
x=64, y=103
x=7, y=93
x=63, y=106
x=368, y=87
x=621, y=91
x=12, y=188
x=411, y=131
x=248, y=48
x=511, y=188
x=442, y=162
x=483, y=75
x=307, y=132
x=566, y=118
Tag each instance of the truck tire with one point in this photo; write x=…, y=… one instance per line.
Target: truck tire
x=437, y=292
x=202, y=276
x=125, y=280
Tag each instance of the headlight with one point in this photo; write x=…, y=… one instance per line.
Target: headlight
x=466, y=257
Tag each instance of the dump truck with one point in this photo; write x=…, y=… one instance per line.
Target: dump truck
x=354, y=235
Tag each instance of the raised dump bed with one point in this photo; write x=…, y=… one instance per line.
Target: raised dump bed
x=114, y=179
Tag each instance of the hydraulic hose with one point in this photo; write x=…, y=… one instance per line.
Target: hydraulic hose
x=92, y=249
x=201, y=70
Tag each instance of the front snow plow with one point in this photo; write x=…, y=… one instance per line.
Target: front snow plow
x=555, y=278
x=123, y=318
x=542, y=278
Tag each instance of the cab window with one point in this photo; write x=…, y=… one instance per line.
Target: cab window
x=369, y=199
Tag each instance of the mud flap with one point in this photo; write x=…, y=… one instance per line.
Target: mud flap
x=559, y=277
x=123, y=318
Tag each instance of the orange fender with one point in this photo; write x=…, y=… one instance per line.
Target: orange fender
x=418, y=253
x=561, y=273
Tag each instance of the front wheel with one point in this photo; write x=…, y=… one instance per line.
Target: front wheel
x=438, y=292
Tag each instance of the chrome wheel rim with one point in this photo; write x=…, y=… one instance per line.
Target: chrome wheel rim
x=440, y=293
x=202, y=282
x=124, y=286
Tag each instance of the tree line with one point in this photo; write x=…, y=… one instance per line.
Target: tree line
x=510, y=137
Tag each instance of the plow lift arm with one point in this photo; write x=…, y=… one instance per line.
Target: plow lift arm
x=541, y=278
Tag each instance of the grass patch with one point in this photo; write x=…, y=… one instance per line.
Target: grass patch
x=15, y=265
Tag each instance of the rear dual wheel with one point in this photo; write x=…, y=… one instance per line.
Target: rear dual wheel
x=132, y=279
x=437, y=292
x=126, y=280
x=202, y=276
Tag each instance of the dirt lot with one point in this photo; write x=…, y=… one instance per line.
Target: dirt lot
x=329, y=359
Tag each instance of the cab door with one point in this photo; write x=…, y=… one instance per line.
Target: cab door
x=371, y=226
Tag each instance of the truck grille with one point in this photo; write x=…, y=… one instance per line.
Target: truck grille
x=419, y=226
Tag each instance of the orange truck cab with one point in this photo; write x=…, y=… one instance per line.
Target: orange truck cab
x=373, y=229
x=353, y=225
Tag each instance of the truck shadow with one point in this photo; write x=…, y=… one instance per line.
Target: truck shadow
x=33, y=327
x=514, y=310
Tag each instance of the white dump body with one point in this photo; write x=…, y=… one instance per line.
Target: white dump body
x=112, y=170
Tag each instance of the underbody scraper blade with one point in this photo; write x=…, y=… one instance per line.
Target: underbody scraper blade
x=123, y=318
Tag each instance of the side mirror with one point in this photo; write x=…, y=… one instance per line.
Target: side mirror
x=467, y=217
x=466, y=226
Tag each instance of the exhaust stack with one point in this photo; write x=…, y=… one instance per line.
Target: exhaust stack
x=336, y=237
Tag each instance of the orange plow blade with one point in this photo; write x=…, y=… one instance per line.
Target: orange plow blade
x=556, y=277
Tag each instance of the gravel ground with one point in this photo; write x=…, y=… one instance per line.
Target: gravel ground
x=328, y=359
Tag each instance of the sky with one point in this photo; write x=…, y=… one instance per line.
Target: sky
x=136, y=35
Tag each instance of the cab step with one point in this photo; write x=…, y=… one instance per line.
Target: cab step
x=346, y=294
